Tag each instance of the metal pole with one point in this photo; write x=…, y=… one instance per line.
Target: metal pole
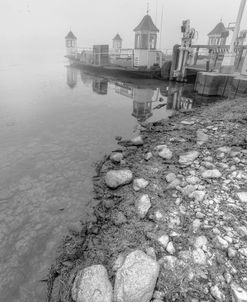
x=237, y=27
x=227, y=65
x=161, y=23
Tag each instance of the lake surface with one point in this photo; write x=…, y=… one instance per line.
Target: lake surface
x=56, y=122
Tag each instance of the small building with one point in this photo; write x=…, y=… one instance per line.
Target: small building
x=71, y=44
x=218, y=35
x=117, y=43
x=145, y=53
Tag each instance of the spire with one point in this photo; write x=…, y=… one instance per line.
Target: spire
x=70, y=36
x=146, y=24
x=147, y=8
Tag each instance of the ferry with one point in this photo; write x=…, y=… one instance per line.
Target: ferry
x=144, y=61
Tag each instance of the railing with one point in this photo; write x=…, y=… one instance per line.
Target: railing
x=212, y=56
x=118, y=57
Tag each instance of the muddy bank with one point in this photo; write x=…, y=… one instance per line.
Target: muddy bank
x=187, y=210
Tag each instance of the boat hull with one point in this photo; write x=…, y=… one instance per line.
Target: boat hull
x=117, y=71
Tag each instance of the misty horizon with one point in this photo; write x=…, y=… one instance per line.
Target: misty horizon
x=28, y=25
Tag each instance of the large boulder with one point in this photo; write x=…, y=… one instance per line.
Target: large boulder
x=92, y=285
x=136, y=279
x=116, y=178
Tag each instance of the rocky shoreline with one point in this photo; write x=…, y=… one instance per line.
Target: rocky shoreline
x=170, y=221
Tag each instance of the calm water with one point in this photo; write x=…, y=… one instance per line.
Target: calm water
x=55, y=122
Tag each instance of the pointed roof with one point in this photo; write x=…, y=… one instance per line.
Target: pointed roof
x=219, y=30
x=117, y=37
x=71, y=36
x=146, y=24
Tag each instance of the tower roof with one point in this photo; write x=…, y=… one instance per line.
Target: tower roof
x=71, y=36
x=117, y=37
x=146, y=24
x=219, y=30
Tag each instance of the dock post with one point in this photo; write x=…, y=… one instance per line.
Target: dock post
x=175, y=56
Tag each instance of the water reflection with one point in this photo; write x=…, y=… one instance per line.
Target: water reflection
x=72, y=75
x=148, y=96
x=100, y=86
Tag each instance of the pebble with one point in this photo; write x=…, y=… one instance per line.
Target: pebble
x=238, y=293
x=224, y=149
x=242, y=231
x=198, y=195
x=170, y=177
x=116, y=157
x=199, y=256
x=187, y=122
x=163, y=240
x=202, y=137
x=150, y=251
x=217, y=294
x=174, y=184
x=196, y=225
x=211, y=174
x=188, y=158
x=201, y=242
x=142, y=205
x=165, y=153
x=243, y=251
x=221, y=243
x=137, y=141
x=118, y=262
x=192, y=180
x=170, y=248
x=158, y=295
x=228, y=277
x=148, y=156
x=140, y=183
x=242, y=196
x=158, y=215
x=119, y=218
x=200, y=215
x=188, y=190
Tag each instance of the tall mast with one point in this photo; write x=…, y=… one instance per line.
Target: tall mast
x=161, y=24
x=156, y=11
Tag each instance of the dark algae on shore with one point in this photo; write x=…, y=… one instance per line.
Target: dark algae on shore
x=184, y=206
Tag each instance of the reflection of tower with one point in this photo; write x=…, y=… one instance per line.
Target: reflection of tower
x=71, y=44
x=85, y=78
x=176, y=100
x=100, y=86
x=71, y=76
x=142, y=103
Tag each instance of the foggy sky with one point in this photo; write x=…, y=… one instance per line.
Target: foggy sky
x=35, y=24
